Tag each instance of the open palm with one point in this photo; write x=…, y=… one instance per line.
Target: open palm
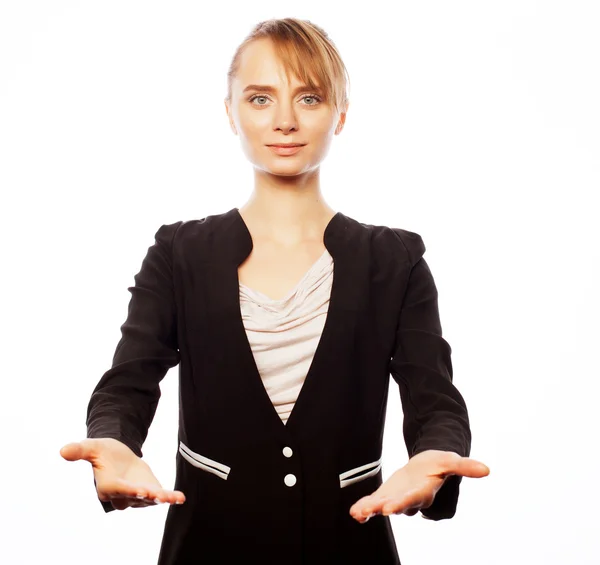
x=415, y=485
x=121, y=476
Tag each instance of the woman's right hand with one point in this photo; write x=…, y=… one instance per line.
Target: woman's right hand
x=121, y=476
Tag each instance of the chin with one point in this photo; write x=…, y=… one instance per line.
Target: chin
x=282, y=169
x=284, y=173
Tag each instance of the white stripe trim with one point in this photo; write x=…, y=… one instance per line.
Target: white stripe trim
x=203, y=462
x=345, y=481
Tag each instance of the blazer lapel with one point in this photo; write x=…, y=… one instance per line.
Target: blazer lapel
x=231, y=243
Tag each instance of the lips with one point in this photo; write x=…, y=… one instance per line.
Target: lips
x=286, y=144
x=285, y=149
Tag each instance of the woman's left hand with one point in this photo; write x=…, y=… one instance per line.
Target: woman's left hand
x=415, y=485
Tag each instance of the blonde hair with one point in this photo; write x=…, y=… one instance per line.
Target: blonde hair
x=304, y=49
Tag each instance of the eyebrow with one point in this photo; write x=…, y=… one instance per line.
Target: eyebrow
x=269, y=88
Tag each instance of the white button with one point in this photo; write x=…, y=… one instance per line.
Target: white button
x=290, y=480
x=287, y=451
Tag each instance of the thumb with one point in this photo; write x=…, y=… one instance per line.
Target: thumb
x=77, y=450
x=468, y=467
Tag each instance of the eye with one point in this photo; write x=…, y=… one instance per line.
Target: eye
x=255, y=97
x=315, y=97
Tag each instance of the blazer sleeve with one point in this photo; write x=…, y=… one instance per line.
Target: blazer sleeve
x=123, y=403
x=435, y=413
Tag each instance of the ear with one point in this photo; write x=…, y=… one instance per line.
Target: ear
x=231, y=123
x=342, y=120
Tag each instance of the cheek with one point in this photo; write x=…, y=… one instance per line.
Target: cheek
x=321, y=138
x=252, y=134
x=254, y=124
x=320, y=132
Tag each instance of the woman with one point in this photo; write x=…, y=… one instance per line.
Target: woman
x=287, y=319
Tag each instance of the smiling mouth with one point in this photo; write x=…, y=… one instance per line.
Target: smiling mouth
x=287, y=145
x=285, y=150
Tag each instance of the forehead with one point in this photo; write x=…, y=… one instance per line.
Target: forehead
x=259, y=65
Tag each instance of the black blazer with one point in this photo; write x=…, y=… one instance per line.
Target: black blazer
x=259, y=490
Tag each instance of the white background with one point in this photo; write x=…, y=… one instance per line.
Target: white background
x=473, y=123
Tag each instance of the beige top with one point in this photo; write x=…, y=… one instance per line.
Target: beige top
x=284, y=334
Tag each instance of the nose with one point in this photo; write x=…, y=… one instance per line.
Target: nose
x=285, y=119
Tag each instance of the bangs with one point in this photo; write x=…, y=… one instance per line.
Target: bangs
x=305, y=51
x=312, y=65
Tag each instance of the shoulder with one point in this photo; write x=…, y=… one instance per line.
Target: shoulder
x=395, y=241
x=191, y=228
x=412, y=242
x=166, y=233
x=210, y=238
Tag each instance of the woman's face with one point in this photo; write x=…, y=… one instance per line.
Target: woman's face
x=285, y=113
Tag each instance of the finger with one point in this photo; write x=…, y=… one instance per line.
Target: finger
x=358, y=506
x=401, y=509
x=369, y=511
x=159, y=496
x=128, y=488
x=366, y=514
x=142, y=502
x=472, y=468
x=163, y=495
x=123, y=489
x=411, y=499
x=72, y=451
x=375, y=505
x=121, y=502
x=369, y=504
x=152, y=491
x=86, y=449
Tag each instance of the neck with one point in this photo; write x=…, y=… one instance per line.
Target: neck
x=287, y=209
